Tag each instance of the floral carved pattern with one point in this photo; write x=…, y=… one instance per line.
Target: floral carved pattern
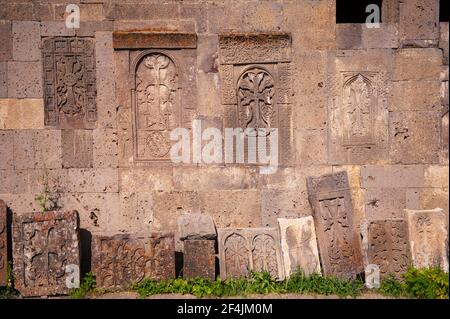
x=236, y=256
x=264, y=255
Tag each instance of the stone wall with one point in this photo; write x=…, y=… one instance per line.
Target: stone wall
x=396, y=155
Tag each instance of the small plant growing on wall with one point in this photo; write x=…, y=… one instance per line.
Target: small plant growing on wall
x=46, y=199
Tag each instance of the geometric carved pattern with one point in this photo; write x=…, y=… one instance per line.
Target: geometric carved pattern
x=44, y=244
x=3, y=244
x=338, y=241
x=250, y=249
x=388, y=246
x=428, y=236
x=69, y=82
x=119, y=260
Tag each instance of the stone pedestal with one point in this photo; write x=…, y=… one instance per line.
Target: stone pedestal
x=199, y=259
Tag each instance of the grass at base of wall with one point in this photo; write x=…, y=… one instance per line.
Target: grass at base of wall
x=8, y=292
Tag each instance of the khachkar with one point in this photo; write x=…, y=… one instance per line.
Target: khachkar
x=46, y=252
x=119, y=260
x=338, y=240
x=69, y=82
x=3, y=244
x=388, y=246
x=299, y=245
x=428, y=238
x=160, y=70
x=242, y=250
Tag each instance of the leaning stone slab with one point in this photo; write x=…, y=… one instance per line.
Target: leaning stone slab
x=123, y=259
x=338, y=241
x=428, y=237
x=299, y=245
x=196, y=226
x=3, y=244
x=388, y=246
x=242, y=250
x=199, y=259
x=46, y=252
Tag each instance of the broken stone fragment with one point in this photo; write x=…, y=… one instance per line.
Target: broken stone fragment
x=196, y=226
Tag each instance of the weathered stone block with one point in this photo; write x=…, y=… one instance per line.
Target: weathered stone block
x=148, y=179
x=77, y=148
x=299, y=246
x=148, y=40
x=88, y=28
x=419, y=20
x=443, y=41
x=21, y=114
x=385, y=37
x=5, y=40
x=26, y=40
x=196, y=226
x=24, y=79
x=56, y=29
x=85, y=180
x=414, y=137
x=349, y=36
x=3, y=79
x=392, y=176
x=150, y=11
x=262, y=16
x=428, y=238
x=45, y=248
x=6, y=143
x=338, y=240
x=22, y=10
x=417, y=64
x=415, y=96
x=250, y=249
x=119, y=260
x=3, y=244
x=388, y=246
x=105, y=148
x=13, y=181
x=199, y=259
x=311, y=147
x=381, y=203
x=198, y=12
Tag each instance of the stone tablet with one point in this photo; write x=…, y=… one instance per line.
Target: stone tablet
x=242, y=250
x=428, y=236
x=199, y=259
x=120, y=260
x=196, y=226
x=388, y=246
x=338, y=240
x=3, y=244
x=46, y=252
x=299, y=245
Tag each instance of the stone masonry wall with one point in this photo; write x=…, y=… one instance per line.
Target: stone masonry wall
x=402, y=161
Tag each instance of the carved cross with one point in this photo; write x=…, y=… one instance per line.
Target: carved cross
x=358, y=103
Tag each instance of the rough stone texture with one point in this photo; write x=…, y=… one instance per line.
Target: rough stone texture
x=21, y=114
x=69, y=82
x=24, y=79
x=244, y=249
x=119, y=260
x=148, y=40
x=3, y=79
x=299, y=245
x=338, y=240
x=5, y=40
x=26, y=36
x=199, y=259
x=77, y=148
x=419, y=20
x=3, y=243
x=443, y=41
x=44, y=244
x=428, y=238
x=196, y=226
x=387, y=246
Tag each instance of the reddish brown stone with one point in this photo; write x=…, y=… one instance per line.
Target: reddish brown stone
x=44, y=245
x=120, y=260
x=199, y=259
x=3, y=244
x=338, y=240
x=151, y=39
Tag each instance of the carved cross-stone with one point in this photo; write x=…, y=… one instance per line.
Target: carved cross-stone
x=44, y=246
x=338, y=240
x=199, y=259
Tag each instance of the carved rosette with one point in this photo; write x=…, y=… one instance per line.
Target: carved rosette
x=250, y=249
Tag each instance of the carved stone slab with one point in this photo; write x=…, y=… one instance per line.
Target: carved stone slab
x=147, y=40
x=199, y=259
x=299, y=245
x=69, y=82
x=44, y=245
x=338, y=240
x=196, y=226
x=242, y=250
x=388, y=246
x=428, y=237
x=119, y=260
x=3, y=244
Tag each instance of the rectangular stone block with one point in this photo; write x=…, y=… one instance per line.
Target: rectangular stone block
x=77, y=148
x=150, y=11
x=147, y=40
x=105, y=148
x=26, y=40
x=196, y=226
x=417, y=64
x=349, y=36
x=199, y=259
x=381, y=203
x=86, y=180
x=21, y=114
x=24, y=79
x=17, y=10
x=384, y=37
x=3, y=79
x=443, y=41
x=428, y=238
x=338, y=239
x=392, y=176
x=242, y=250
x=415, y=96
x=299, y=245
x=419, y=20
x=46, y=252
x=5, y=40
x=3, y=244
x=414, y=137
x=6, y=145
x=56, y=29
x=387, y=246
x=120, y=260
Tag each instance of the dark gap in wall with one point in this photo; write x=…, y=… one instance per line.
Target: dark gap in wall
x=85, y=245
x=443, y=10
x=354, y=11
